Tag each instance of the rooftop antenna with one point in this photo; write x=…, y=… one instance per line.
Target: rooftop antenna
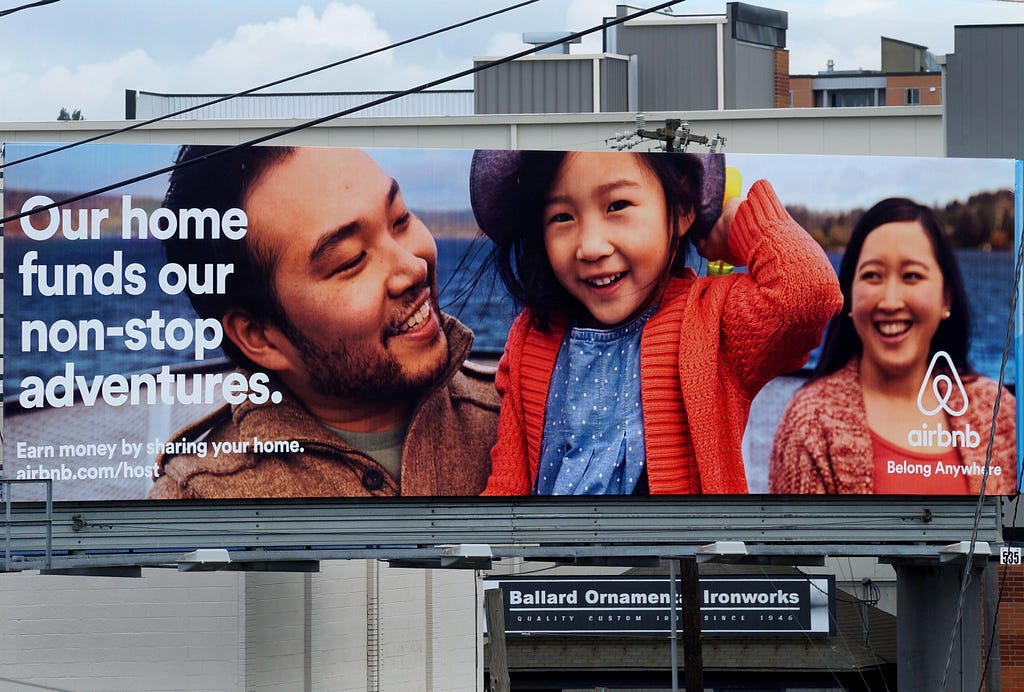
x=676, y=135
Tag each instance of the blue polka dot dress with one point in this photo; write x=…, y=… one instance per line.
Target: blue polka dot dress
x=593, y=442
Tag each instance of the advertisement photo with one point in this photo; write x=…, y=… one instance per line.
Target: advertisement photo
x=274, y=322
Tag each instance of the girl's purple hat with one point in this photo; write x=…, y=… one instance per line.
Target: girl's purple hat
x=494, y=190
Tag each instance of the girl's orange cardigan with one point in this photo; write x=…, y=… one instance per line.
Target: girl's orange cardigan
x=705, y=353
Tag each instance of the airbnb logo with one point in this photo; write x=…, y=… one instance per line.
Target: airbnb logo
x=943, y=388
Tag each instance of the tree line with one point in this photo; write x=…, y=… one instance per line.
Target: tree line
x=984, y=221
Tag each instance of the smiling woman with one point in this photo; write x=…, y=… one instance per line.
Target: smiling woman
x=894, y=407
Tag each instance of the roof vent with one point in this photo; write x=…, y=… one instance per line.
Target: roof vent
x=539, y=38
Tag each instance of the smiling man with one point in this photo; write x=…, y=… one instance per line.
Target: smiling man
x=334, y=295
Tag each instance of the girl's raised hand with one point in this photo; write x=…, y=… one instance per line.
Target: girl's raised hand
x=716, y=245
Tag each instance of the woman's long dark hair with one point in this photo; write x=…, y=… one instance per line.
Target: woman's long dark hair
x=952, y=336
x=522, y=261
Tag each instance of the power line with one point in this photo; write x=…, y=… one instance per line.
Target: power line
x=274, y=83
x=1019, y=211
x=40, y=3
x=339, y=114
x=990, y=643
x=832, y=619
x=965, y=577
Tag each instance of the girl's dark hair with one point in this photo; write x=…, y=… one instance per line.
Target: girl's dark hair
x=952, y=336
x=521, y=259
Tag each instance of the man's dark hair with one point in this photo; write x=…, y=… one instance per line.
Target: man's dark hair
x=221, y=180
x=952, y=336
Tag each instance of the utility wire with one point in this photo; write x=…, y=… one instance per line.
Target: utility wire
x=832, y=619
x=274, y=83
x=965, y=577
x=1018, y=213
x=40, y=3
x=334, y=116
x=990, y=643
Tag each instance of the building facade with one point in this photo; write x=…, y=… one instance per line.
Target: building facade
x=985, y=91
x=910, y=76
x=660, y=62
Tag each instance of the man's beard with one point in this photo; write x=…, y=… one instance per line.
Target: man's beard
x=335, y=370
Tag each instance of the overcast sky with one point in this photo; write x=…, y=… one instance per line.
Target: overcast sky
x=83, y=55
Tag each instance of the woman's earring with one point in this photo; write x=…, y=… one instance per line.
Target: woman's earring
x=946, y=315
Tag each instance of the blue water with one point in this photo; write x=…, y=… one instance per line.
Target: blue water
x=480, y=302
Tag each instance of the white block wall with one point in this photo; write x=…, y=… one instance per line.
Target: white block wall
x=244, y=632
x=167, y=631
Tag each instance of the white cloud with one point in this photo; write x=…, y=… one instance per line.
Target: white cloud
x=258, y=53
x=583, y=14
x=253, y=54
x=504, y=43
x=813, y=57
x=579, y=15
x=339, y=27
x=97, y=89
x=858, y=8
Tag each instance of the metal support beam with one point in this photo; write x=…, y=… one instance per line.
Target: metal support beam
x=926, y=600
x=614, y=530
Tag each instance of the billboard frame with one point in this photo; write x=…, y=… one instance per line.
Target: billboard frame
x=468, y=532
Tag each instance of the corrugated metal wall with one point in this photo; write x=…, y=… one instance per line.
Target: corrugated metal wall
x=753, y=80
x=547, y=85
x=614, y=85
x=314, y=105
x=985, y=92
x=678, y=66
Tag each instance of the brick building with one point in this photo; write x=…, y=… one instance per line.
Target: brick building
x=910, y=76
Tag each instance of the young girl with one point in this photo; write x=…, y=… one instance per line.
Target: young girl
x=625, y=373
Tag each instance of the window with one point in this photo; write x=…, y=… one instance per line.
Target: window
x=913, y=97
x=852, y=98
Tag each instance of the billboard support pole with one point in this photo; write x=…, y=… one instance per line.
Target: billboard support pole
x=694, y=668
x=926, y=597
x=498, y=659
x=691, y=625
x=673, y=630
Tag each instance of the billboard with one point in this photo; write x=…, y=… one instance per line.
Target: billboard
x=270, y=322
x=760, y=605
